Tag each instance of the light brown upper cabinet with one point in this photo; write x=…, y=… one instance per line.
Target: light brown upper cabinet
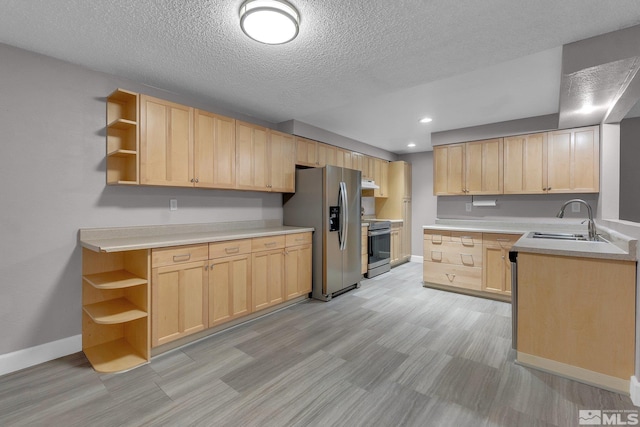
x=306, y=152
x=344, y=158
x=381, y=178
x=215, y=150
x=448, y=169
x=573, y=160
x=265, y=159
x=525, y=165
x=483, y=167
x=326, y=154
x=166, y=143
x=563, y=161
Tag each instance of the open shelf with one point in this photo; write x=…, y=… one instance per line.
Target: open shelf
x=114, y=356
x=123, y=183
x=114, y=280
x=114, y=311
x=122, y=153
x=122, y=124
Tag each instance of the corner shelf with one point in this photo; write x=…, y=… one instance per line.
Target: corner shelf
x=122, y=138
x=115, y=309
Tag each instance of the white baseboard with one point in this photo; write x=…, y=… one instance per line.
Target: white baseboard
x=417, y=258
x=21, y=359
x=634, y=390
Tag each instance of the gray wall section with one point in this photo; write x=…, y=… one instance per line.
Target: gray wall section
x=305, y=130
x=496, y=130
x=629, y=171
x=423, y=202
x=52, y=168
x=525, y=205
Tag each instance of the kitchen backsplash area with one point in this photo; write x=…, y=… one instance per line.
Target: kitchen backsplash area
x=527, y=205
x=368, y=207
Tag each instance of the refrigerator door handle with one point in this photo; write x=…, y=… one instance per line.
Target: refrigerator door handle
x=344, y=225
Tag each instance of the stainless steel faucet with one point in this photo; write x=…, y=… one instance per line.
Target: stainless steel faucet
x=591, y=225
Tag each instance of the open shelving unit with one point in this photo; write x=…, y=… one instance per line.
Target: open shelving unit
x=122, y=138
x=115, y=309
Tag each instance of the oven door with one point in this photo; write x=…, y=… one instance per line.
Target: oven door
x=379, y=248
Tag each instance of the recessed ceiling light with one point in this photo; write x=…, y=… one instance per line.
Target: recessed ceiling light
x=426, y=120
x=411, y=145
x=587, y=109
x=269, y=21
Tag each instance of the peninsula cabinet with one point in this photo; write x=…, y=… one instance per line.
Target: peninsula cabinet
x=229, y=280
x=267, y=271
x=453, y=259
x=179, y=292
x=166, y=143
x=265, y=159
x=122, y=138
x=297, y=255
x=115, y=309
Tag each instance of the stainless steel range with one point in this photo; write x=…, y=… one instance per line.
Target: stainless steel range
x=379, y=236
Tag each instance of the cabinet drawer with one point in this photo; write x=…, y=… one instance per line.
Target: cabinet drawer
x=504, y=240
x=453, y=275
x=179, y=254
x=298, y=239
x=437, y=236
x=267, y=243
x=229, y=248
x=466, y=238
x=453, y=253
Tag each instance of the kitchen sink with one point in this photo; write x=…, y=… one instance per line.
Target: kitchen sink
x=564, y=236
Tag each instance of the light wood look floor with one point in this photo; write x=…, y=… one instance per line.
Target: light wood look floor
x=391, y=353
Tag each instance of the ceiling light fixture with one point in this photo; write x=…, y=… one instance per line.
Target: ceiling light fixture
x=411, y=145
x=269, y=21
x=426, y=120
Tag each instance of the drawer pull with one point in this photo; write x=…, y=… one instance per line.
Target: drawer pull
x=436, y=238
x=468, y=262
x=503, y=240
x=450, y=276
x=232, y=250
x=300, y=239
x=270, y=244
x=178, y=258
x=436, y=255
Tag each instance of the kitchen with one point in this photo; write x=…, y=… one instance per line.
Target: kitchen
x=40, y=304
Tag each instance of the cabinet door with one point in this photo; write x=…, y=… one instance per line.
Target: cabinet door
x=406, y=229
x=215, y=150
x=525, y=164
x=306, y=152
x=357, y=162
x=267, y=278
x=448, y=169
x=326, y=155
x=251, y=157
x=229, y=288
x=166, y=143
x=559, y=161
x=179, y=301
x=369, y=167
x=395, y=244
x=343, y=159
x=297, y=271
x=483, y=167
x=586, y=161
x=497, y=267
x=381, y=177
x=282, y=168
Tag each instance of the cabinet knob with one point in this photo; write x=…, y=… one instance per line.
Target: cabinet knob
x=206, y=268
x=197, y=180
x=193, y=180
x=212, y=266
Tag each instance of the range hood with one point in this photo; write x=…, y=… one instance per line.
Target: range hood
x=369, y=184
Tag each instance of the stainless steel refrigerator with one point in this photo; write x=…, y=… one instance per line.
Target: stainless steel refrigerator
x=328, y=199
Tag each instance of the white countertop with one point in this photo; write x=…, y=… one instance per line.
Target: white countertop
x=119, y=239
x=617, y=246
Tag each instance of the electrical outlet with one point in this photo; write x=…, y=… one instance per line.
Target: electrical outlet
x=467, y=207
x=575, y=207
x=173, y=204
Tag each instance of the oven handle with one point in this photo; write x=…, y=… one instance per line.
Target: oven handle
x=379, y=232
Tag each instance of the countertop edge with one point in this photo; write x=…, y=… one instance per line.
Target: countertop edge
x=122, y=244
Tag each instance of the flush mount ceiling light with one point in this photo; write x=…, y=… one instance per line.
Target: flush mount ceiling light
x=411, y=145
x=426, y=120
x=269, y=21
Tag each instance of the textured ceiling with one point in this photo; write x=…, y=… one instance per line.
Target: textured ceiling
x=364, y=69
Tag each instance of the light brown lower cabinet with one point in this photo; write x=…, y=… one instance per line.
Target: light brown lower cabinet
x=364, y=253
x=298, y=267
x=267, y=271
x=469, y=261
x=229, y=288
x=496, y=276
